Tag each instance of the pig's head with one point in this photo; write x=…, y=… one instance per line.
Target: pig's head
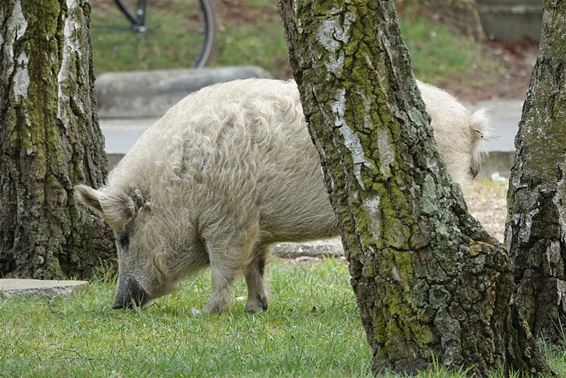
x=140, y=279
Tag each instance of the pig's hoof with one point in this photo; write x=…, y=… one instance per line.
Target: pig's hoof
x=254, y=306
x=214, y=308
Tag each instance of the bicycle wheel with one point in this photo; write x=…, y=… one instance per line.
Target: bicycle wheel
x=178, y=33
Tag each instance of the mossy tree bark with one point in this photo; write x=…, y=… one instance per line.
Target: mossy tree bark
x=49, y=141
x=429, y=281
x=536, y=227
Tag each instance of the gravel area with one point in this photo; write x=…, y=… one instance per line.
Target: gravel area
x=487, y=202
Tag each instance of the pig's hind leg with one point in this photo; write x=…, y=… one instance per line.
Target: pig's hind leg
x=257, y=293
x=227, y=259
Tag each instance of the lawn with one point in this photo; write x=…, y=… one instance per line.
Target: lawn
x=172, y=40
x=311, y=329
x=251, y=32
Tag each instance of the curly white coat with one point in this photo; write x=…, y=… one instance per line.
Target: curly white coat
x=229, y=170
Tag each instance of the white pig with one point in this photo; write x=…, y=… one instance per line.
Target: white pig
x=228, y=171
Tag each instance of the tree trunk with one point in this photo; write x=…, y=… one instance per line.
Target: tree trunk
x=536, y=227
x=49, y=141
x=429, y=281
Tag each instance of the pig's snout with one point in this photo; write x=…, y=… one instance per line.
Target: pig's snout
x=130, y=295
x=475, y=169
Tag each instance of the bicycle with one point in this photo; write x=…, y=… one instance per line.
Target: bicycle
x=144, y=34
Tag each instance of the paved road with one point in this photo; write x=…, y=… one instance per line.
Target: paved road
x=121, y=134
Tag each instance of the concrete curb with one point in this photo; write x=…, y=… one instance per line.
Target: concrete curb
x=149, y=94
x=511, y=20
x=12, y=288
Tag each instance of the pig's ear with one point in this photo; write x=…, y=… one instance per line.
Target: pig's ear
x=115, y=207
x=89, y=197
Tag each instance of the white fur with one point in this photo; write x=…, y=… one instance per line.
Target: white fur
x=231, y=169
x=459, y=134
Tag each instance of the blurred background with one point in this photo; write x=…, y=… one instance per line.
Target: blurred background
x=476, y=49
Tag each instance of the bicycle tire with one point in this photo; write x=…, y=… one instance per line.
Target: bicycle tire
x=176, y=34
x=209, y=34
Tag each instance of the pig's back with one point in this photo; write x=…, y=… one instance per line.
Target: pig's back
x=239, y=149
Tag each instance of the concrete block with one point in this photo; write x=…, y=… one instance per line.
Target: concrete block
x=511, y=20
x=149, y=94
x=12, y=288
x=329, y=248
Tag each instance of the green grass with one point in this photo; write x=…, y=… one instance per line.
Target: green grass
x=172, y=40
x=312, y=329
x=439, y=55
x=261, y=45
x=251, y=32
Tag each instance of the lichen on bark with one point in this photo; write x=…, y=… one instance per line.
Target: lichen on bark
x=430, y=282
x=536, y=225
x=50, y=141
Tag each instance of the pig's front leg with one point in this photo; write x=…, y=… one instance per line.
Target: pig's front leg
x=227, y=259
x=221, y=297
x=257, y=293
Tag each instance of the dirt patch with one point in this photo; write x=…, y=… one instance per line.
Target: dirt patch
x=238, y=12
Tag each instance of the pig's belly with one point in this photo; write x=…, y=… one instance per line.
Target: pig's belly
x=303, y=219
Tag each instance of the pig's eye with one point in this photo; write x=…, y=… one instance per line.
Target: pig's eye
x=124, y=241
